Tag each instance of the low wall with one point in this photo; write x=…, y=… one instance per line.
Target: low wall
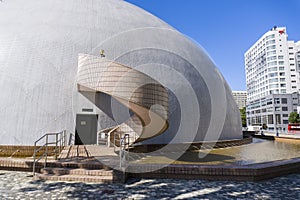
x=254, y=172
x=191, y=146
x=287, y=139
x=22, y=151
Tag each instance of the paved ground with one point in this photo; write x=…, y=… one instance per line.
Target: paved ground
x=19, y=185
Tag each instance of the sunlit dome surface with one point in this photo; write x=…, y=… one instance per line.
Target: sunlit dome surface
x=39, y=46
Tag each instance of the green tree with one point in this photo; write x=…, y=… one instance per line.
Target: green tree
x=243, y=116
x=294, y=117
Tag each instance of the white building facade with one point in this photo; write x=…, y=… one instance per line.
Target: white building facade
x=240, y=98
x=272, y=75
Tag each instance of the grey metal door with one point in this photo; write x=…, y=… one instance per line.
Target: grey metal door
x=86, y=129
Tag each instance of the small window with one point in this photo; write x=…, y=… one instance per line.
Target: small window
x=284, y=100
x=282, y=79
x=283, y=85
x=284, y=108
x=285, y=121
x=277, y=101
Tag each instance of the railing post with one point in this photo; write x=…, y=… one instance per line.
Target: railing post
x=34, y=158
x=56, y=141
x=114, y=141
x=65, y=137
x=46, y=153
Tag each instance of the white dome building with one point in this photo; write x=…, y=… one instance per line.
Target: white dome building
x=39, y=46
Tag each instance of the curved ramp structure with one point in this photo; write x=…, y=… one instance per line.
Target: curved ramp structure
x=145, y=98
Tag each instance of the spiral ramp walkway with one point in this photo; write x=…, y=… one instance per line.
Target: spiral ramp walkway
x=144, y=97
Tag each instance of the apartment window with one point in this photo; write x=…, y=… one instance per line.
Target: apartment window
x=281, y=63
x=281, y=74
x=277, y=108
x=271, y=52
x=270, y=42
x=285, y=115
x=277, y=101
x=278, y=118
x=272, y=63
x=274, y=86
x=271, y=47
x=285, y=121
x=273, y=80
x=291, y=48
x=272, y=69
x=271, y=58
x=281, y=68
x=294, y=87
x=282, y=79
x=273, y=74
x=270, y=119
x=280, y=57
x=293, y=75
x=284, y=100
x=270, y=36
x=283, y=85
x=292, y=59
x=292, y=70
x=283, y=91
x=284, y=108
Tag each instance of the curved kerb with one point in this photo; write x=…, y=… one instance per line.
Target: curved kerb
x=144, y=96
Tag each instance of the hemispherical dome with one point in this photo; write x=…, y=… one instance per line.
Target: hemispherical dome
x=39, y=46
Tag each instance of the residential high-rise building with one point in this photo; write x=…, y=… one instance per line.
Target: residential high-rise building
x=240, y=98
x=272, y=68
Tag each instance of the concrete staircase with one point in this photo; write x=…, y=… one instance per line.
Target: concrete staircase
x=76, y=164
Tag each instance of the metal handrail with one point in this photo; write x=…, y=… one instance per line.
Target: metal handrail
x=60, y=142
x=107, y=132
x=124, y=149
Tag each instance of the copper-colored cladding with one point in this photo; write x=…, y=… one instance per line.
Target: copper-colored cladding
x=146, y=97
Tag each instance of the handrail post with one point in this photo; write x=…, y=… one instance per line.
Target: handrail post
x=34, y=158
x=46, y=153
x=114, y=141
x=65, y=137
x=56, y=146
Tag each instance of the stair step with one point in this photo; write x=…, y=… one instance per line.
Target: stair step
x=83, y=165
x=75, y=178
x=78, y=171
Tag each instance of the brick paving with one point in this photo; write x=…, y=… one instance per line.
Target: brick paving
x=20, y=185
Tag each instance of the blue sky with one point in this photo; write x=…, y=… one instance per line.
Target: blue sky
x=227, y=28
